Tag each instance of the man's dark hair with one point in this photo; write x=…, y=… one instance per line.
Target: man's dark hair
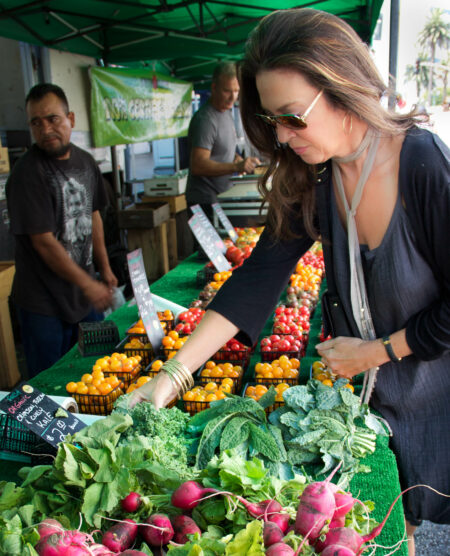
x=38, y=92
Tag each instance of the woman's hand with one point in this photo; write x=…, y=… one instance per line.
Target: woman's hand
x=347, y=357
x=159, y=391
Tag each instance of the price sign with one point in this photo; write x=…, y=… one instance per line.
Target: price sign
x=208, y=243
x=40, y=414
x=197, y=209
x=144, y=299
x=225, y=221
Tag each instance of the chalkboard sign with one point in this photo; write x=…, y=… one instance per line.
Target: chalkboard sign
x=143, y=296
x=225, y=221
x=208, y=244
x=40, y=414
x=220, y=245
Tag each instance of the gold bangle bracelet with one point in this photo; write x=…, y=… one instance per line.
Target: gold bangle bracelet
x=182, y=371
x=179, y=374
x=175, y=379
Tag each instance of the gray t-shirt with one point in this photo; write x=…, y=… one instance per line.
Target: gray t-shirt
x=213, y=130
x=58, y=196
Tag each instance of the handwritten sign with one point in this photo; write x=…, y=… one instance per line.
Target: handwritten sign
x=225, y=221
x=143, y=296
x=220, y=245
x=208, y=244
x=40, y=414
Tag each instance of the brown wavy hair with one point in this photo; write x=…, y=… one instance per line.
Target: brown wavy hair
x=331, y=56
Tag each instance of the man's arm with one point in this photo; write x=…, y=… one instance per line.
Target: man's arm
x=99, y=251
x=57, y=259
x=202, y=165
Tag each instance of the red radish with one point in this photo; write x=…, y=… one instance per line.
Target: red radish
x=344, y=503
x=100, y=550
x=188, y=495
x=272, y=534
x=280, y=549
x=345, y=538
x=184, y=526
x=121, y=535
x=282, y=520
x=337, y=550
x=131, y=503
x=316, y=507
x=265, y=509
x=337, y=522
x=158, y=530
x=48, y=527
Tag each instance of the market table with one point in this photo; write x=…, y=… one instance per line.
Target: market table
x=180, y=286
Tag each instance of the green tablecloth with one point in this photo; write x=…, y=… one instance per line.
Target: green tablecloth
x=180, y=286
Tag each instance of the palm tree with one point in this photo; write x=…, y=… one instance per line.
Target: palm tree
x=436, y=33
x=418, y=73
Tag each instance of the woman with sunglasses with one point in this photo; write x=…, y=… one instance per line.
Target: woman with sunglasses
x=375, y=187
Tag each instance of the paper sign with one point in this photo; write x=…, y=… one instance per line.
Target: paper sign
x=143, y=296
x=208, y=243
x=40, y=414
x=197, y=209
x=225, y=221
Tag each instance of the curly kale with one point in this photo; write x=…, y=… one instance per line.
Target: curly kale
x=161, y=431
x=162, y=423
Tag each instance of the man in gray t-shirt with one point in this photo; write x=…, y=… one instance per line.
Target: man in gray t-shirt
x=212, y=142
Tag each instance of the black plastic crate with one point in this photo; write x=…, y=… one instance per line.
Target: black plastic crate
x=242, y=355
x=146, y=353
x=269, y=409
x=124, y=376
x=237, y=381
x=274, y=381
x=191, y=406
x=149, y=371
x=276, y=354
x=97, y=338
x=205, y=275
x=97, y=404
x=17, y=443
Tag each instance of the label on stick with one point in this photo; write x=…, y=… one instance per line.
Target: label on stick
x=197, y=209
x=225, y=221
x=40, y=414
x=208, y=243
x=143, y=296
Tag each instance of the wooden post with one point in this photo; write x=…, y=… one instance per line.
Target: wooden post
x=153, y=243
x=172, y=242
x=9, y=371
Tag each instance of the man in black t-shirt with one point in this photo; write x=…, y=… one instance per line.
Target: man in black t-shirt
x=54, y=194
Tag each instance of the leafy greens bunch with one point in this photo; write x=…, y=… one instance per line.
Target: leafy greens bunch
x=163, y=433
x=90, y=475
x=326, y=425
x=231, y=472
x=241, y=423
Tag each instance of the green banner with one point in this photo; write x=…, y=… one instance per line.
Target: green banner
x=135, y=105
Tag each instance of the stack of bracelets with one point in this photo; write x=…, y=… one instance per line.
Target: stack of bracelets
x=180, y=376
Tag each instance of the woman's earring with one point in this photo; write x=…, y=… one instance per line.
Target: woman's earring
x=344, y=124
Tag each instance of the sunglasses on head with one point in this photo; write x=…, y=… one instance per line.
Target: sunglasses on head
x=291, y=121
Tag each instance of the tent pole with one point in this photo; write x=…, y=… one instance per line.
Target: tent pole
x=393, y=52
x=116, y=177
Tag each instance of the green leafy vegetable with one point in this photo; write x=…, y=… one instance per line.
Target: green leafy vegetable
x=324, y=425
x=235, y=422
x=249, y=541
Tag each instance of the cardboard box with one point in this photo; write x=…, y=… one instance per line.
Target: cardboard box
x=177, y=203
x=4, y=160
x=148, y=215
x=165, y=185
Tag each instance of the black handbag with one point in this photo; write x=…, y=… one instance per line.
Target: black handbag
x=335, y=322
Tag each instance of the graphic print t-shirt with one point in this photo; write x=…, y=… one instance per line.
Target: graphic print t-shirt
x=58, y=196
